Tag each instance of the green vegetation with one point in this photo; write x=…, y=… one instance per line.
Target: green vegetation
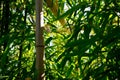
x=85, y=47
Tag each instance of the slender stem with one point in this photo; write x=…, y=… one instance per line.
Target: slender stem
x=39, y=41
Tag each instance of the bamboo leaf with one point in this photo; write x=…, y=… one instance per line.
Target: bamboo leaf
x=73, y=9
x=48, y=40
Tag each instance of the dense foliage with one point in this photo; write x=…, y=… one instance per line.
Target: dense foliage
x=90, y=46
x=16, y=39
x=86, y=46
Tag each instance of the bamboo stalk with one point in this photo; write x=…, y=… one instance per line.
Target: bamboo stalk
x=39, y=41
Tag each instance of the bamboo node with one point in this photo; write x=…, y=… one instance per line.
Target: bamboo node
x=40, y=45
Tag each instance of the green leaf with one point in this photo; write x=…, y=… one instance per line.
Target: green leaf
x=73, y=9
x=48, y=40
x=69, y=70
x=1, y=77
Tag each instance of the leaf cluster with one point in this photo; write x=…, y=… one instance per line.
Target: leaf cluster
x=91, y=49
x=17, y=39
